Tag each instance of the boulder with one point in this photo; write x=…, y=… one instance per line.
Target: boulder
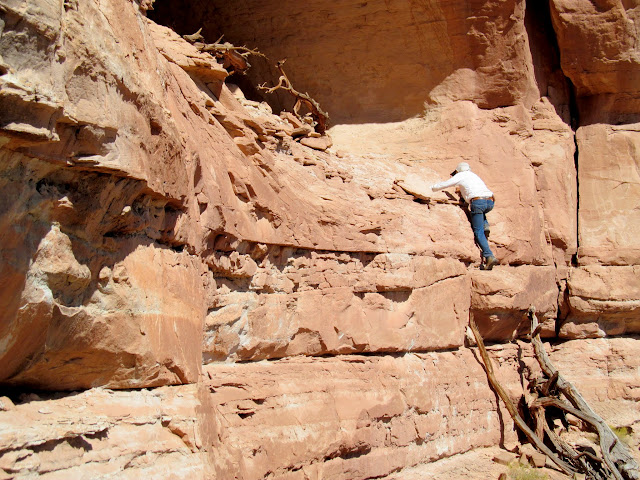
x=319, y=143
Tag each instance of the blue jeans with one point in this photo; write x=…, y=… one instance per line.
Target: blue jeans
x=479, y=209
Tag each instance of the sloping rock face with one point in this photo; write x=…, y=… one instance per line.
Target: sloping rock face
x=272, y=309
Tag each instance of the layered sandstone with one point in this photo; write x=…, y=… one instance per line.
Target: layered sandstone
x=294, y=311
x=297, y=418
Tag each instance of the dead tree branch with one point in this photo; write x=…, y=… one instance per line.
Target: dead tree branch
x=519, y=421
x=234, y=59
x=616, y=455
x=194, y=37
x=615, y=462
x=320, y=117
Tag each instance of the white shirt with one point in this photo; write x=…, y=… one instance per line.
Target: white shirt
x=471, y=185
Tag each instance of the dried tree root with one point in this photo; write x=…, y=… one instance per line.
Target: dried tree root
x=519, y=421
x=320, y=117
x=616, y=462
x=616, y=454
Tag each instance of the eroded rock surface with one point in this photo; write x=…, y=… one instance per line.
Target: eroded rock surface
x=292, y=308
x=598, y=43
x=368, y=416
x=447, y=51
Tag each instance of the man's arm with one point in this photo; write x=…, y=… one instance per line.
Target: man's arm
x=446, y=184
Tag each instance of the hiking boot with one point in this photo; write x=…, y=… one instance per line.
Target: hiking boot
x=490, y=262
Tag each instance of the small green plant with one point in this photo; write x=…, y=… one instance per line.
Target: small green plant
x=623, y=434
x=518, y=471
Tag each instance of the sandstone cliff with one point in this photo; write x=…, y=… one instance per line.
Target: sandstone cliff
x=190, y=290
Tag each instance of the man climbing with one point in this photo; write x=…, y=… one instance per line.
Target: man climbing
x=480, y=200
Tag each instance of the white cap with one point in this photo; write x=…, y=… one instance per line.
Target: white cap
x=463, y=167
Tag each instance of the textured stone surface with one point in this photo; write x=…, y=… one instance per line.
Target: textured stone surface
x=323, y=304
x=239, y=185
x=609, y=177
x=603, y=301
x=599, y=52
x=475, y=464
x=446, y=51
x=156, y=215
x=498, y=303
x=367, y=416
x=534, y=217
x=85, y=282
x=345, y=417
x=100, y=433
x=589, y=365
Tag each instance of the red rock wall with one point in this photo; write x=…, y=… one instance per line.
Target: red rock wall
x=160, y=232
x=599, y=53
x=378, y=61
x=351, y=417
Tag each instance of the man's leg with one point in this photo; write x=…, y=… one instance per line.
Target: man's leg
x=478, y=220
x=489, y=207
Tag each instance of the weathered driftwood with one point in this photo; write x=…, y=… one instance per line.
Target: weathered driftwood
x=519, y=421
x=234, y=59
x=320, y=117
x=616, y=460
x=616, y=454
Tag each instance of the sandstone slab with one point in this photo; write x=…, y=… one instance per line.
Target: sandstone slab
x=603, y=300
x=355, y=417
x=501, y=297
x=347, y=417
x=320, y=143
x=590, y=364
x=366, y=416
x=533, y=220
x=609, y=216
x=551, y=150
x=332, y=304
x=101, y=433
x=200, y=64
x=153, y=340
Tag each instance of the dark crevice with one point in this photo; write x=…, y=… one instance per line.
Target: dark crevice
x=353, y=356
x=348, y=452
x=560, y=91
x=576, y=154
x=545, y=55
x=573, y=108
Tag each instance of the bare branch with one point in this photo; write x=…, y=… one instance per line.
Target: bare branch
x=616, y=454
x=520, y=423
x=319, y=116
x=233, y=58
x=194, y=37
